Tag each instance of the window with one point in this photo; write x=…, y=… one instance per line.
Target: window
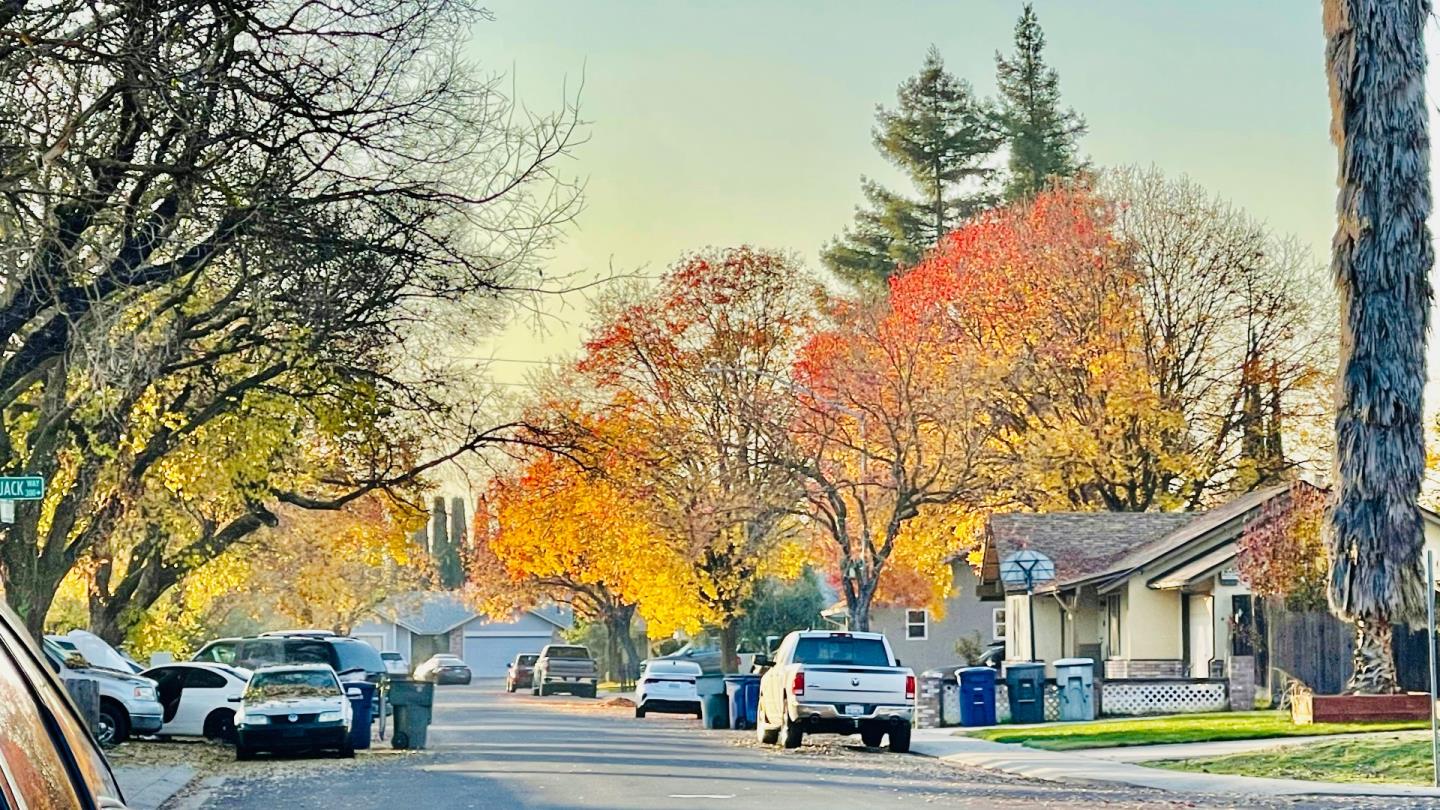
x=997, y=624
x=196, y=678
x=917, y=624
x=842, y=650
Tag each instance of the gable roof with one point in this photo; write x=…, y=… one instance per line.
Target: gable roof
x=433, y=613
x=1081, y=544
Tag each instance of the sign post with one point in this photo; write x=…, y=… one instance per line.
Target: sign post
x=1430, y=643
x=18, y=488
x=1027, y=568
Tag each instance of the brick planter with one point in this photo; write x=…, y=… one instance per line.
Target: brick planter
x=1308, y=708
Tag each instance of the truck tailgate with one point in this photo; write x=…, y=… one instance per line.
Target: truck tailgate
x=853, y=684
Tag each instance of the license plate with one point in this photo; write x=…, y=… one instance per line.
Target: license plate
x=854, y=711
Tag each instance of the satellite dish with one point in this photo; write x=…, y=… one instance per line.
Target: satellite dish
x=1026, y=568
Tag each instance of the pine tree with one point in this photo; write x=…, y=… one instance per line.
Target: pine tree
x=1043, y=137
x=940, y=135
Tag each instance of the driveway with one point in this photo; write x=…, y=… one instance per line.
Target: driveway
x=493, y=750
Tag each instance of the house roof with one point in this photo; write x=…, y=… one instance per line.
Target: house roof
x=1197, y=569
x=1082, y=544
x=432, y=613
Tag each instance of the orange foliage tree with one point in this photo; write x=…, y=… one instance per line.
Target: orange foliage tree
x=685, y=364
x=1282, y=553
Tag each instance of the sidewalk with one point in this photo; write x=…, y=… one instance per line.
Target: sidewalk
x=147, y=787
x=1075, y=766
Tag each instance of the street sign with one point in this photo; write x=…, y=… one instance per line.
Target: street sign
x=22, y=488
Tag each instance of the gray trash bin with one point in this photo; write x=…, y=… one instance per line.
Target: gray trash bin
x=412, y=701
x=1075, y=680
x=1025, y=684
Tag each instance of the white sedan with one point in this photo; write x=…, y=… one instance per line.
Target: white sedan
x=199, y=699
x=668, y=685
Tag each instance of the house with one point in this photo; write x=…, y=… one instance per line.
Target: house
x=421, y=624
x=924, y=639
x=1152, y=595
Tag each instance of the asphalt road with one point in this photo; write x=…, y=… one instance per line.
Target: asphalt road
x=493, y=750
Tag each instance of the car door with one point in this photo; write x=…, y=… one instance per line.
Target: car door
x=771, y=684
x=204, y=691
x=169, y=685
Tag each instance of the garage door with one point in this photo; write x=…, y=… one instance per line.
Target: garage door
x=488, y=655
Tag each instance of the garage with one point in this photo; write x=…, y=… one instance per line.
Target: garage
x=487, y=655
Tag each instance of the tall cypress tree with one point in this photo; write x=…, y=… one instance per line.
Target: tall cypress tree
x=1043, y=137
x=940, y=135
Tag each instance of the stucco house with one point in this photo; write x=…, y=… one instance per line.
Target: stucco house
x=924, y=639
x=421, y=624
x=1152, y=595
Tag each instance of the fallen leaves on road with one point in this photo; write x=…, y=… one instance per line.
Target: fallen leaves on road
x=211, y=759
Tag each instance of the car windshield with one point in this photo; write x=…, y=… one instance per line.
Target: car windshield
x=847, y=650
x=568, y=652
x=527, y=660
x=354, y=655
x=291, y=685
x=390, y=656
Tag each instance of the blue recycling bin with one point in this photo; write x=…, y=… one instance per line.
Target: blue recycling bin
x=361, y=712
x=744, y=694
x=977, y=696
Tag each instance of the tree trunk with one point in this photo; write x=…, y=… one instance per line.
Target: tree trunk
x=622, y=631
x=1374, y=660
x=729, y=642
x=859, y=608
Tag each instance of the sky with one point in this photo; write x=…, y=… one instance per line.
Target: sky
x=721, y=123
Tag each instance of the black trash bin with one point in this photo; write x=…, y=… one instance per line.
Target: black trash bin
x=360, y=712
x=412, y=701
x=1026, y=686
x=977, y=696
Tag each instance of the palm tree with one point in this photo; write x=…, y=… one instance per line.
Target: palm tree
x=1375, y=58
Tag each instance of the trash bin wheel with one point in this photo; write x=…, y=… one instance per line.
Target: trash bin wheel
x=347, y=751
x=400, y=740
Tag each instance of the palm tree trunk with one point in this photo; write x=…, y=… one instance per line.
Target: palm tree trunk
x=1375, y=58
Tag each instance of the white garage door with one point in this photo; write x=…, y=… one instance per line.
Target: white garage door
x=488, y=655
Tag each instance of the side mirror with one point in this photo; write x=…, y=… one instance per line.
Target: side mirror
x=510, y=666
x=763, y=661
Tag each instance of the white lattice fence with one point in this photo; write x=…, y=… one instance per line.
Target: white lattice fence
x=1130, y=698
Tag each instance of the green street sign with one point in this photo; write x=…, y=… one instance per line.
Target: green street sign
x=22, y=488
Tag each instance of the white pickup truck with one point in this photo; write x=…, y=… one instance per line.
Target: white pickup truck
x=836, y=683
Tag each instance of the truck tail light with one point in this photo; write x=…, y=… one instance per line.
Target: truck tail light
x=909, y=687
x=797, y=686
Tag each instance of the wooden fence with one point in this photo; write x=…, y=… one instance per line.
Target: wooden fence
x=1316, y=648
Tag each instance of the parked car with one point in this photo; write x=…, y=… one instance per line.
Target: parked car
x=352, y=659
x=128, y=703
x=518, y=672
x=198, y=699
x=98, y=651
x=395, y=664
x=668, y=685
x=219, y=651
x=993, y=657
x=564, y=668
x=710, y=658
x=47, y=756
x=444, y=668
x=836, y=683
x=293, y=707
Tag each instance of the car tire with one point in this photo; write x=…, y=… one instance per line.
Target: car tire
x=589, y=693
x=900, y=740
x=347, y=751
x=871, y=737
x=535, y=691
x=510, y=687
x=790, y=735
x=220, y=726
x=114, y=725
x=640, y=712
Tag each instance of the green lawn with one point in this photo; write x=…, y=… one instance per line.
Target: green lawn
x=1400, y=761
x=1181, y=728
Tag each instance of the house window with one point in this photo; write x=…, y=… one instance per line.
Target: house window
x=1112, y=616
x=997, y=624
x=917, y=624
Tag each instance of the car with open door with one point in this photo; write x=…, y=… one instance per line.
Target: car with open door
x=47, y=757
x=198, y=698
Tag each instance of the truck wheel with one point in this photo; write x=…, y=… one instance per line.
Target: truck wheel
x=871, y=737
x=763, y=733
x=543, y=691
x=900, y=740
x=790, y=735
x=640, y=711
x=114, y=727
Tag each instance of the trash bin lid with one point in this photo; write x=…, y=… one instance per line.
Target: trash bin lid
x=1075, y=662
x=1023, y=666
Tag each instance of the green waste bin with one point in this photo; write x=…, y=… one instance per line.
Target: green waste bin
x=412, y=701
x=1026, y=685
